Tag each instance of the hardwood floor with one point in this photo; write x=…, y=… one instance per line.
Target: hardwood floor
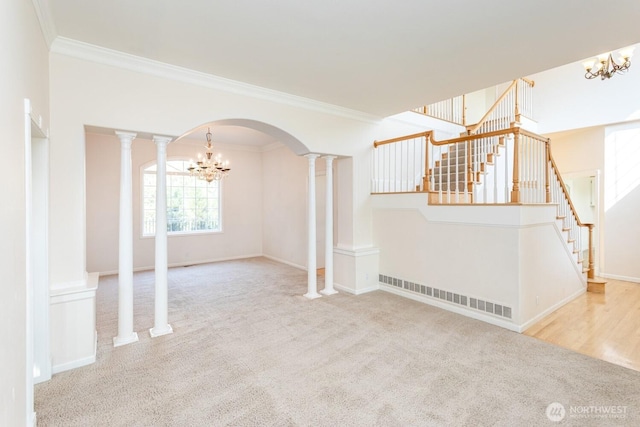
x=605, y=326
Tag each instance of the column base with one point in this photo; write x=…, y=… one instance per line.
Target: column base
x=313, y=295
x=119, y=341
x=328, y=292
x=157, y=332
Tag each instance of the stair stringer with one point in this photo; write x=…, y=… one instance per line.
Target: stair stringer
x=500, y=256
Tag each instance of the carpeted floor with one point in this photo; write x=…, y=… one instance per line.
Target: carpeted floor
x=249, y=350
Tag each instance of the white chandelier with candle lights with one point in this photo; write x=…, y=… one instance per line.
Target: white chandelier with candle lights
x=208, y=167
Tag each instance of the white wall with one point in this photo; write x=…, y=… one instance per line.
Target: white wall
x=85, y=92
x=241, y=202
x=514, y=256
x=90, y=93
x=284, y=206
x=24, y=74
x=622, y=201
x=565, y=100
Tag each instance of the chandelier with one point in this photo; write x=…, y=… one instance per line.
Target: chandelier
x=209, y=168
x=605, y=66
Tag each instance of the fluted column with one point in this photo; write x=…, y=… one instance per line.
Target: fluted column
x=126, y=334
x=312, y=279
x=161, y=325
x=328, y=245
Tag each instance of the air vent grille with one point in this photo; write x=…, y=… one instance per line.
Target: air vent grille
x=451, y=297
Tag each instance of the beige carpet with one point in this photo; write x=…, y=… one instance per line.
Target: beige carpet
x=249, y=350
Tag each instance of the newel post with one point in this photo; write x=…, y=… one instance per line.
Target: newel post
x=464, y=111
x=515, y=192
x=591, y=272
x=427, y=178
x=547, y=178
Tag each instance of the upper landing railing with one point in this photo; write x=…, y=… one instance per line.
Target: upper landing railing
x=515, y=101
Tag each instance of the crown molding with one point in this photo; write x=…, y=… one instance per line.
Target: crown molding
x=89, y=52
x=47, y=25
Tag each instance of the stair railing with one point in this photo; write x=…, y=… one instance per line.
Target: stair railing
x=569, y=215
x=451, y=110
x=507, y=166
x=515, y=101
x=398, y=164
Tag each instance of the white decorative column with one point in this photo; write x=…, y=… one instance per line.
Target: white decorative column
x=312, y=279
x=161, y=325
x=125, y=261
x=328, y=245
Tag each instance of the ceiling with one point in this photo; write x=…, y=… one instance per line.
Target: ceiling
x=374, y=56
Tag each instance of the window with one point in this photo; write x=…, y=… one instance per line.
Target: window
x=193, y=205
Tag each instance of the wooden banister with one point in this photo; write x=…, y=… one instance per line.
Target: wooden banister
x=520, y=190
x=591, y=249
x=473, y=128
x=528, y=81
x=565, y=191
x=513, y=86
x=376, y=144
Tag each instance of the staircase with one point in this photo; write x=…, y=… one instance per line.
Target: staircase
x=465, y=169
x=495, y=161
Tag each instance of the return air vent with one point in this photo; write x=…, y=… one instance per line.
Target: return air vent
x=452, y=297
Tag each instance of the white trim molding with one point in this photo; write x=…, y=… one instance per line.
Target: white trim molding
x=77, y=363
x=356, y=291
x=101, y=55
x=619, y=277
x=356, y=252
x=201, y=261
x=47, y=25
x=523, y=327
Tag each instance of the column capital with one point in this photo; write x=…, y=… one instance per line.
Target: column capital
x=329, y=157
x=312, y=156
x=162, y=140
x=126, y=135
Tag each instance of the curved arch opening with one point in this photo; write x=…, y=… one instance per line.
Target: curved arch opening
x=277, y=134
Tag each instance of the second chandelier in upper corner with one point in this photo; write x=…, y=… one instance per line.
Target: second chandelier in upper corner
x=605, y=66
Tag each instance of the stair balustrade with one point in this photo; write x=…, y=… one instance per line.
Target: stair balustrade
x=451, y=110
x=516, y=101
x=398, y=164
x=507, y=166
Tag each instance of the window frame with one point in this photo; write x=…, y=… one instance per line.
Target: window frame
x=145, y=166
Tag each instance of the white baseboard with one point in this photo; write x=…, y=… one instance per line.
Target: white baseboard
x=450, y=307
x=526, y=325
x=355, y=291
x=618, y=277
x=56, y=369
x=185, y=263
x=282, y=261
